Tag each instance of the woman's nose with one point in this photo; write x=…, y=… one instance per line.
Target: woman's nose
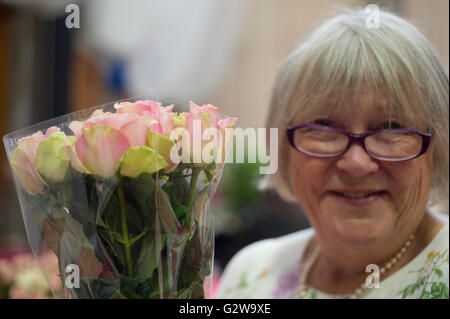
x=357, y=162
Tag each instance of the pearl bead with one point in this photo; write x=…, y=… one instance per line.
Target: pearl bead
x=302, y=287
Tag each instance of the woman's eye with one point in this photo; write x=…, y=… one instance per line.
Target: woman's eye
x=322, y=122
x=391, y=125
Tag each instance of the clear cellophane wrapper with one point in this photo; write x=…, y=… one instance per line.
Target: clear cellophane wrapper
x=121, y=219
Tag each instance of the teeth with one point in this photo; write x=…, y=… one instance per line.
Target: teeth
x=358, y=195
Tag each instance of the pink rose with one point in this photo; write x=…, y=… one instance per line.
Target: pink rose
x=206, y=136
x=139, y=137
x=104, y=139
x=146, y=108
x=100, y=148
x=23, y=161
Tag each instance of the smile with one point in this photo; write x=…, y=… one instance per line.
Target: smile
x=358, y=198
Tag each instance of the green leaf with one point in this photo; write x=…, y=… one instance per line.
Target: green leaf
x=135, y=238
x=75, y=196
x=177, y=188
x=194, y=291
x=40, y=202
x=201, y=201
x=136, y=210
x=102, y=224
x=129, y=286
x=210, y=167
x=117, y=237
x=136, y=222
x=196, y=262
x=408, y=290
x=168, y=216
x=444, y=291
x=140, y=193
x=435, y=290
x=421, y=281
x=208, y=174
x=111, y=214
x=425, y=295
x=97, y=288
x=180, y=211
x=66, y=238
x=438, y=272
x=114, y=247
x=148, y=256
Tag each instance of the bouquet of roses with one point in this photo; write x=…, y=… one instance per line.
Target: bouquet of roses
x=120, y=194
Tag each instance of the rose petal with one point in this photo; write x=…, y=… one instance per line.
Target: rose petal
x=120, y=105
x=99, y=112
x=140, y=159
x=166, y=122
x=179, y=120
x=77, y=127
x=162, y=146
x=167, y=109
x=25, y=170
x=139, y=107
x=211, y=109
x=194, y=108
x=136, y=130
x=69, y=151
x=100, y=148
x=229, y=122
x=50, y=161
x=115, y=121
x=30, y=144
x=51, y=130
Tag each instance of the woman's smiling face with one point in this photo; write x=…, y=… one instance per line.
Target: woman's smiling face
x=319, y=184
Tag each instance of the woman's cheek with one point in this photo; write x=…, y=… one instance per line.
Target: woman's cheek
x=300, y=173
x=295, y=174
x=412, y=182
x=305, y=176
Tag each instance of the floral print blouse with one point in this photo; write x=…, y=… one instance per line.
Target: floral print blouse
x=270, y=269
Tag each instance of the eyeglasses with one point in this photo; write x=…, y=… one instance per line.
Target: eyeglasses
x=386, y=145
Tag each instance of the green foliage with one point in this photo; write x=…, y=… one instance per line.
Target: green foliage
x=239, y=184
x=97, y=288
x=429, y=285
x=167, y=256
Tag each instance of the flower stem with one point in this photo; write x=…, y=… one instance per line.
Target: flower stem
x=125, y=231
x=194, y=177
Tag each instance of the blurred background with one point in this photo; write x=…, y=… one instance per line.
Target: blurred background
x=221, y=52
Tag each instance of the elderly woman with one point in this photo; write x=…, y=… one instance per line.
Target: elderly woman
x=362, y=115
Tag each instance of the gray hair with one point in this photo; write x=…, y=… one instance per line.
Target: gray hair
x=394, y=63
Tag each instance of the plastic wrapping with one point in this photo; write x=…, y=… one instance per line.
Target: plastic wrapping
x=100, y=188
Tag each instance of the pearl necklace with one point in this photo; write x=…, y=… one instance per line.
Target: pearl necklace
x=302, y=291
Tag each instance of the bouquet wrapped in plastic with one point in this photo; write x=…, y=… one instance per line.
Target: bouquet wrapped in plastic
x=120, y=194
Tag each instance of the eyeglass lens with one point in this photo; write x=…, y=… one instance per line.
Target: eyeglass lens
x=384, y=144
